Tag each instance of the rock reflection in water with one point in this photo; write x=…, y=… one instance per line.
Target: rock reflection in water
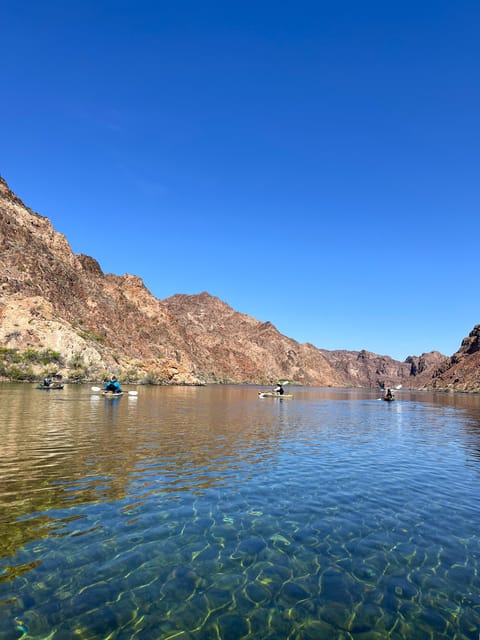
x=206, y=513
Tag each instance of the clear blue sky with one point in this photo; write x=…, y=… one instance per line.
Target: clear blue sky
x=315, y=164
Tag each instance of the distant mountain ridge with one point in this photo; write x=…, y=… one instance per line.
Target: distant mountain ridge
x=54, y=300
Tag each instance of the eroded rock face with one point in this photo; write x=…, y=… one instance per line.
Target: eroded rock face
x=50, y=297
x=366, y=369
x=422, y=367
x=230, y=346
x=461, y=372
x=53, y=298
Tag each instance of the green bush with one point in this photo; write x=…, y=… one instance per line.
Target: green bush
x=7, y=354
x=152, y=377
x=131, y=375
x=48, y=356
x=30, y=356
x=91, y=335
x=19, y=373
x=76, y=361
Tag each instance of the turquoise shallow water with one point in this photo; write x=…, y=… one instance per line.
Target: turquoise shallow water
x=207, y=513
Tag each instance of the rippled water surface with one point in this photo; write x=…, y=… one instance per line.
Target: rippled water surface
x=208, y=513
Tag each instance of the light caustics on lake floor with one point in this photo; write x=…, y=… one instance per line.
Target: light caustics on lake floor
x=208, y=513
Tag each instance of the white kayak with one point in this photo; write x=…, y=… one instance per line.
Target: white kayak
x=272, y=394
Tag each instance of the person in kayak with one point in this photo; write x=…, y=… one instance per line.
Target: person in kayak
x=279, y=389
x=47, y=381
x=113, y=385
x=389, y=394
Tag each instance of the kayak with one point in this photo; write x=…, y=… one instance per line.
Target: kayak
x=388, y=399
x=48, y=387
x=272, y=394
x=111, y=395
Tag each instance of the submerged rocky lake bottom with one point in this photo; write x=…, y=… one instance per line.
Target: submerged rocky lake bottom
x=209, y=513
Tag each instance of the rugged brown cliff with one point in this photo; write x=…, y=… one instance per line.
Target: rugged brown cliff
x=363, y=368
x=50, y=297
x=461, y=372
x=52, y=300
x=231, y=346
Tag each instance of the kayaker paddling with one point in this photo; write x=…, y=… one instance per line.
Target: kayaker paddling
x=389, y=395
x=113, y=385
x=277, y=392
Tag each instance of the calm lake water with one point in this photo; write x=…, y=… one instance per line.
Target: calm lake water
x=210, y=514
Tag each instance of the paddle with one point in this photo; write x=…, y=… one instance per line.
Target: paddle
x=130, y=393
x=261, y=394
x=399, y=386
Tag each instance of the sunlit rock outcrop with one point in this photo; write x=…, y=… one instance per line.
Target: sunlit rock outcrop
x=52, y=299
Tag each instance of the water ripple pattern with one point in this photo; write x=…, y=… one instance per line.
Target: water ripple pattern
x=207, y=513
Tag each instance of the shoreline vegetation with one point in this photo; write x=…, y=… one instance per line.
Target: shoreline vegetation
x=143, y=382
x=32, y=366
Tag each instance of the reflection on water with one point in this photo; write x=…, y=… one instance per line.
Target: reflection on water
x=210, y=513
